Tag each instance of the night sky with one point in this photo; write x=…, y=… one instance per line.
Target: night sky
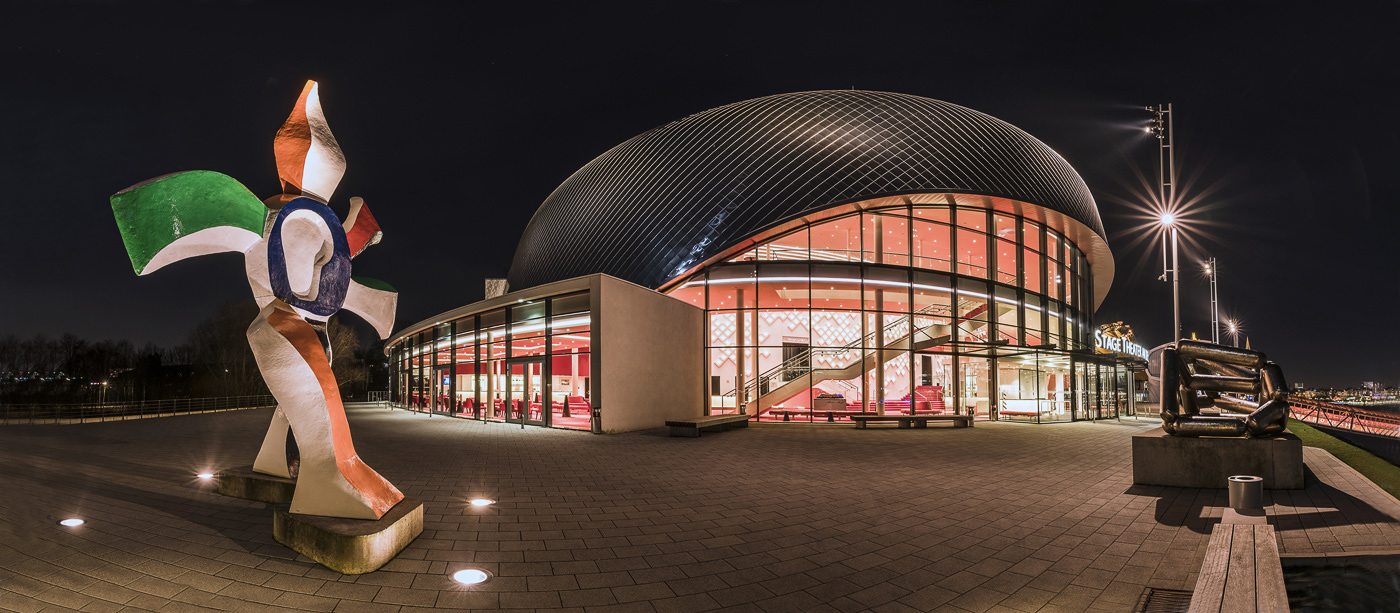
x=457, y=123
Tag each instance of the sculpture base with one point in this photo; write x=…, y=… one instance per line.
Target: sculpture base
x=243, y=483
x=1179, y=461
x=350, y=546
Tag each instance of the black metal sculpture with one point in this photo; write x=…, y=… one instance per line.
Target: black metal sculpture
x=1191, y=375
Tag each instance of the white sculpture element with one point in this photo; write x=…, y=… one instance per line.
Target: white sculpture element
x=297, y=257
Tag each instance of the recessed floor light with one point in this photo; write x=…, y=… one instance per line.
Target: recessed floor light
x=481, y=502
x=71, y=522
x=470, y=576
x=205, y=475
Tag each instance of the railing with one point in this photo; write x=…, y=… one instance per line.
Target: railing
x=803, y=362
x=109, y=411
x=1345, y=418
x=380, y=396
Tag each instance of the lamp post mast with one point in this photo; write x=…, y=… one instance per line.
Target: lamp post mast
x=1214, y=301
x=1166, y=173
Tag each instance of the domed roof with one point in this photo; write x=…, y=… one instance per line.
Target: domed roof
x=673, y=197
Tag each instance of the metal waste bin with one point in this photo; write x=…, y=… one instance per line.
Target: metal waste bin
x=1246, y=492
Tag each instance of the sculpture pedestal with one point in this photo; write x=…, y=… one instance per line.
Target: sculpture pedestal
x=243, y=483
x=1179, y=461
x=350, y=546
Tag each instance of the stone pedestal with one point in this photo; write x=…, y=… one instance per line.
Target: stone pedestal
x=243, y=483
x=350, y=546
x=1207, y=461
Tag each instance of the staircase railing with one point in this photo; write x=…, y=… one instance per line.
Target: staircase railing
x=802, y=362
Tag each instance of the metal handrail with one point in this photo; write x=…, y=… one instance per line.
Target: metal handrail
x=1343, y=417
x=810, y=353
x=37, y=413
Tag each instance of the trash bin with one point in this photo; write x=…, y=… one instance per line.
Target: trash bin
x=1246, y=492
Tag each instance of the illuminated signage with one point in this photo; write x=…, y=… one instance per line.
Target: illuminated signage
x=1119, y=345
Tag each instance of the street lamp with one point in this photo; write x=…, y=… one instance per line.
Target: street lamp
x=1162, y=127
x=1232, y=328
x=1169, y=224
x=1211, y=271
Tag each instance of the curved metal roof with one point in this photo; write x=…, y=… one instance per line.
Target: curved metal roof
x=678, y=195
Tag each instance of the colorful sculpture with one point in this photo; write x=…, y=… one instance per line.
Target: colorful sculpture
x=297, y=255
x=1190, y=375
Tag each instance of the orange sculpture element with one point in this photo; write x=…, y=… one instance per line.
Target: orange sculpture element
x=309, y=160
x=295, y=365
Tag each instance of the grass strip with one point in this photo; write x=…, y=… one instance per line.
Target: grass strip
x=1370, y=465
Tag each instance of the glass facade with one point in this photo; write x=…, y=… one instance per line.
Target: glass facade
x=524, y=363
x=918, y=308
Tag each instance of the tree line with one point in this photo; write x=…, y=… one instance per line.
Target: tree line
x=214, y=360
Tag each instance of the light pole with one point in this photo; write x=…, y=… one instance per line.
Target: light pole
x=1169, y=224
x=1232, y=328
x=1161, y=127
x=1211, y=270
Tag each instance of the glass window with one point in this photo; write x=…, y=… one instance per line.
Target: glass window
x=835, y=287
x=975, y=219
x=1033, y=235
x=886, y=289
x=932, y=245
x=789, y=247
x=1005, y=227
x=886, y=239
x=972, y=254
x=837, y=241
x=1031, y=266
x=1052, y=245
x=1007, y=314
x=783, y=286
x=732, y=286
x=939, y=214
x=972, y=310
x=1006, y=262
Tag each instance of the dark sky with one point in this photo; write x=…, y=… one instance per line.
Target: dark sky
x=458, y=122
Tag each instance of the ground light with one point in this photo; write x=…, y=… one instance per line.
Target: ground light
x=482, y=502
x=205, y=475
x=470, y=576
x=70, y=522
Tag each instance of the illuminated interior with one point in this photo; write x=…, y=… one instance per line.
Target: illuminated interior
x=525, y=363
x=968, y=307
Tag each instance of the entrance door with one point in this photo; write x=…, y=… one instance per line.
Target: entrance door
x=526, y=401
x=442, y=390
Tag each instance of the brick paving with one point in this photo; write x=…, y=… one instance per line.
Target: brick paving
x=1001, y=517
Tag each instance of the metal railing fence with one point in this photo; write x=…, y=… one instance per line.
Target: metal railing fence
x=1344, y=417
x=29, y=413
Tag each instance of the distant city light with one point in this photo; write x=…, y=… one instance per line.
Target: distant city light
x=470, y=576
x=71, y=522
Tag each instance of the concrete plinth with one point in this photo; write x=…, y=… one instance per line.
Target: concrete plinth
x=243, y=483
x=1179, y=461
x=350, y=546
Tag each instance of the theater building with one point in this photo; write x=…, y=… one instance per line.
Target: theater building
x=799, y=258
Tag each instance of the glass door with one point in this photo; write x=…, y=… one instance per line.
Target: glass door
x=525, y=393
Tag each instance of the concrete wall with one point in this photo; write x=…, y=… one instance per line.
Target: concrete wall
x=648, y=356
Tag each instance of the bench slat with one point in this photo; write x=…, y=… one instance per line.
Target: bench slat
x=1273, y=594
x=1210, y=584
x=1239, y=578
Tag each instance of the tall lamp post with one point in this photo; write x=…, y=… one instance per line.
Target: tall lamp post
x=1211, y=271
x=1161, y=127
x=1232, y=328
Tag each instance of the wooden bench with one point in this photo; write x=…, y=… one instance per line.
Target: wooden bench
x=918, y=421
x=708, y=423
x=1241, y=572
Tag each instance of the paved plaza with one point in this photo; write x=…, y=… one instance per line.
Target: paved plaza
x=1000, y=517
